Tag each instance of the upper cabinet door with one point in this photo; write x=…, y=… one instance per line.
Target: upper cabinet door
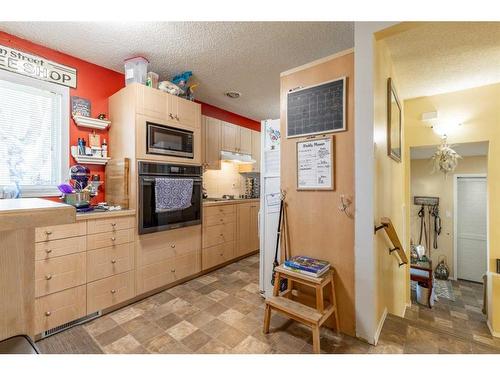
x=230, y=137
x=186, y=112
x=256, y=150
x=211, y=142
x=152, y=102
x=245, y=140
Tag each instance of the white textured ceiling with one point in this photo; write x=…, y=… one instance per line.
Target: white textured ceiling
x=463, y=149
x=242, y=56
x=439, y=57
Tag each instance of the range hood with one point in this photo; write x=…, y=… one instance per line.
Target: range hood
x=236, y=158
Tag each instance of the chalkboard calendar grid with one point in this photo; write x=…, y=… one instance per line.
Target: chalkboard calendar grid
x=316, y=109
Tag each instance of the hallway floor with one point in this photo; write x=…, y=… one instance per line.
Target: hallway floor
x=449, y=327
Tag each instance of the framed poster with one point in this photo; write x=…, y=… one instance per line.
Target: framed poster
x=315, y=164
x=393, y=123
x=80, y=106
x=317, y=109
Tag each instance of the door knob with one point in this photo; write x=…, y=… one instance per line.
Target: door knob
x=48, y=232
x=113, y=261
x=48, y=251
x=113, y=239
x=48, y=313
x=172, y=246
x=48, y=277
x=113, y=291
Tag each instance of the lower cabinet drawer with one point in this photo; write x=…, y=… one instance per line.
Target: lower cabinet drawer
x=57, y=248
x=110, y=225
x=100, y=240
x=218, y=234
x=56, y=274
x=110, y=291
x=155, y=275
x=57, y=232
x=109, y=261
x=159, y=274
x=215, y=255
x=59, y=308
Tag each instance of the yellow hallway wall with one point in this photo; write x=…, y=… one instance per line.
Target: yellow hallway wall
x=426, y=183
x=389, y=198
x=478, y=110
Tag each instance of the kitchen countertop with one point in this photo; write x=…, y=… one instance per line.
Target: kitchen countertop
x=103, y=214
x=33, y=212
x=229, y=201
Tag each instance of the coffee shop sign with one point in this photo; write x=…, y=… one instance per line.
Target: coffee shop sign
x=34, y=66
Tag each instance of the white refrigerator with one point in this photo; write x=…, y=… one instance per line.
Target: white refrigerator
x=269, y=200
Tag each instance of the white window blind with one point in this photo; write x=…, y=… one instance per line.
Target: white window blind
x=33, y=136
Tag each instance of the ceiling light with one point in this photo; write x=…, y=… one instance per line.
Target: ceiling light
x=233, y=94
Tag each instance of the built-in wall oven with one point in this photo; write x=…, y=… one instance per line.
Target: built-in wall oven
x=169, y=141
x=152, y=221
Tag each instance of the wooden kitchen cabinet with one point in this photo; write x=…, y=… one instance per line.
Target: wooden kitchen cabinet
x=169, y=108
x=247, y=232
x=152, y=102
x=230, y=137
x=256, y=150
x=211, y=142
x=245, y=146
x=184, y=111
x=235, y=138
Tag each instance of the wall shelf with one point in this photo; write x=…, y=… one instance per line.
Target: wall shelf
x=84, y=159
x=91, y=160
x=92, y=123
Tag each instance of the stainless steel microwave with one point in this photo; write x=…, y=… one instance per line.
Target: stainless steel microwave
x=166, y=140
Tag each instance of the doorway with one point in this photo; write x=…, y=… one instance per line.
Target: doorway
x=470, y=227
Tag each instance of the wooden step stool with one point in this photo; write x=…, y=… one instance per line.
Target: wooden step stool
x=314, y=318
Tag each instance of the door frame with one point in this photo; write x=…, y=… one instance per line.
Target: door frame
x=455, y=216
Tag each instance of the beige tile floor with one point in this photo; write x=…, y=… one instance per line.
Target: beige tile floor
x=222, y=312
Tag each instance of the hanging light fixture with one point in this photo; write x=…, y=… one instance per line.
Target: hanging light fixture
x=445, y=159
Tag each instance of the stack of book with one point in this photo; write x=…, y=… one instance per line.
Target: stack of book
x=306, y=265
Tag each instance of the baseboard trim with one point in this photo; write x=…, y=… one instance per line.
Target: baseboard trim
x=380, y=325
x=493, y=333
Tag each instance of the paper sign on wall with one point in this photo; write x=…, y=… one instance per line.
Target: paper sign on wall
x=315, y=164
x=36, y=67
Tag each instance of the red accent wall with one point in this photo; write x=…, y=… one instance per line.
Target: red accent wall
x=221, y=114
x=93, y=82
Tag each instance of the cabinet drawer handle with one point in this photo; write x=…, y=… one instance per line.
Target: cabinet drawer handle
x=177, y=118
x=48, y=313
x=48, y=277
x=171, y=116
x=221, y=220
x=172, y=246
x=48, y=251
x=113, y=261
x=172, y=270
x=113, y=291
x=48, y=232
x=113, y=225
x=113, y=239
x=221, y=254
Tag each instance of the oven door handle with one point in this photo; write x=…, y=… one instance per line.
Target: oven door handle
x=146, y=179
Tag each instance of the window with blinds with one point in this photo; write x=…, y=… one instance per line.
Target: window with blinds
x=33, y=136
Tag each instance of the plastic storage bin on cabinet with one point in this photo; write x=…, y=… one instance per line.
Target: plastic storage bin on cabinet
x=136, y=70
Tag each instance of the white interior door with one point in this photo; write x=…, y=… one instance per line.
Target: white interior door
x=471, y=228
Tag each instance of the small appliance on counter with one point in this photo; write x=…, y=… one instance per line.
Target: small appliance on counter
x=83, y=188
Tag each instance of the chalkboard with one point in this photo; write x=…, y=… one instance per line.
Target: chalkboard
x=316, y=109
